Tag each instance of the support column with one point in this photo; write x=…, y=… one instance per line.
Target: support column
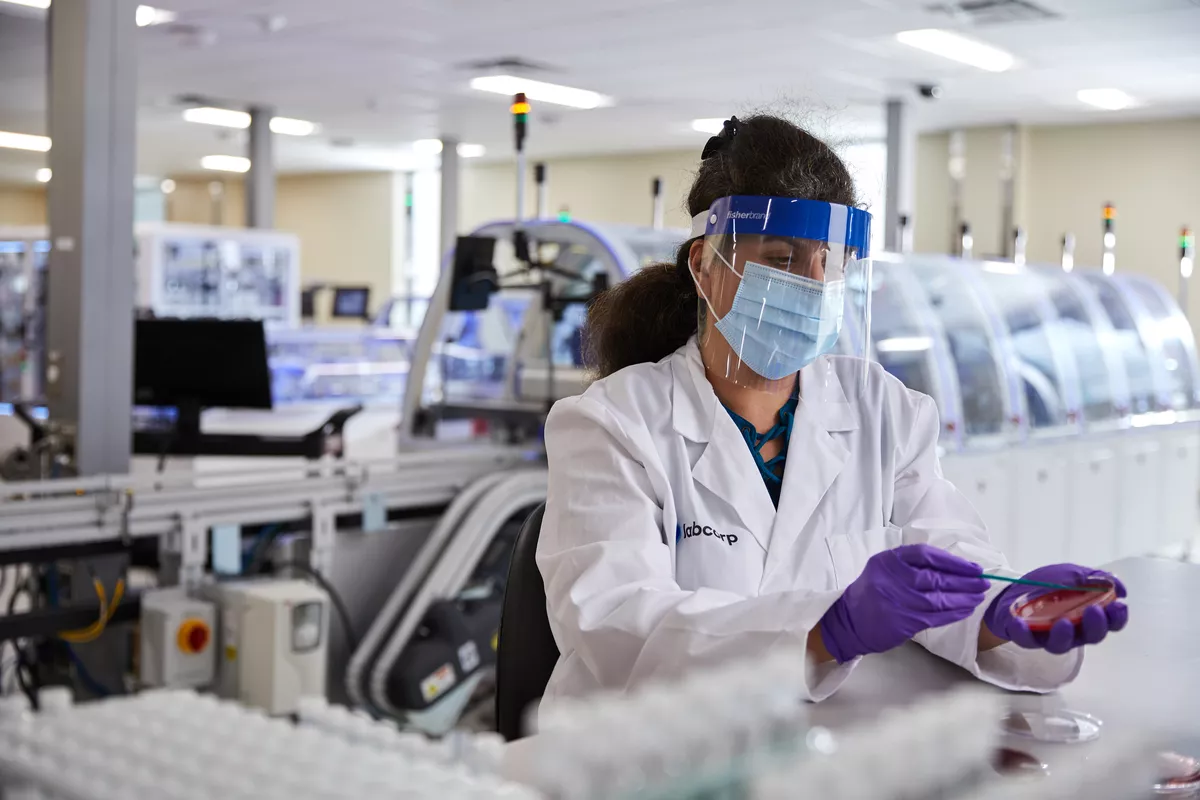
x=426, y=231
x=899, y=194
x=260, y=180
x=92, y=122
x=401, y=244
x=449, y=199
x=957, y=168
x=1008, y=195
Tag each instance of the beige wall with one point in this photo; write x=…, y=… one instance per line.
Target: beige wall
x=22, y=205
x=1150, y=171
x=193, y=202
x=598, y=189
x=981, y=193
x=344, y=222
x=933, y=224
x=1065, y=175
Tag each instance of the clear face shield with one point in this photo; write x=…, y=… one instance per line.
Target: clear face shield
x=783, y=282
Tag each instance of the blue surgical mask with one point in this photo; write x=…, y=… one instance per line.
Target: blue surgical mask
x=779, y=322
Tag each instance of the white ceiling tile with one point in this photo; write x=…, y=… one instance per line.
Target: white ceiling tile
x=385, y=72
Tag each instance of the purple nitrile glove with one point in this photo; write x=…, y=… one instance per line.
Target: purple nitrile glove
x=901, y=593
x=1063, y=635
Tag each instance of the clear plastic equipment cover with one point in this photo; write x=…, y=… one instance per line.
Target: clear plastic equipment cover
x=1038, y=355
x=989, y=400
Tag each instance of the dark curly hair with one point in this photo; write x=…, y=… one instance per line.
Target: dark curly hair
x=654, y=312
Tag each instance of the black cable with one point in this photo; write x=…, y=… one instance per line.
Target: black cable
x=27, y=678
x=168, y=440
x=334, y=597
x=12, y=599
x=262, y=547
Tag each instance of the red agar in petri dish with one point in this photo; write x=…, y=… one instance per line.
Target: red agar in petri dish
x=1041, y=611
x=1180, y=776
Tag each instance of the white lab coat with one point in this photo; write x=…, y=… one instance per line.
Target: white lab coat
x=661, y=549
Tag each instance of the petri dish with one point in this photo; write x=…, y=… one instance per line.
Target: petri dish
x=1179, y=776
x=1061, y=726
x=1040, y=610
x=1015, y=763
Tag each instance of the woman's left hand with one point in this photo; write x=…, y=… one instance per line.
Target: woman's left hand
x=1063, y=635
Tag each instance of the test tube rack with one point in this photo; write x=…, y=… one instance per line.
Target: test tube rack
x=179, y=745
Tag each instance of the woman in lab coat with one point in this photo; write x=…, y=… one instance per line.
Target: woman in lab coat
x=726, y=487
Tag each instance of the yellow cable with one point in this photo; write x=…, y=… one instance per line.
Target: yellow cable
x=86, y=634
x=107, y=610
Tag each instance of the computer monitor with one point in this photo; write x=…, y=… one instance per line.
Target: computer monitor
x=474, y=279
x=192, y=364
x=351, y=302
x=308, y=303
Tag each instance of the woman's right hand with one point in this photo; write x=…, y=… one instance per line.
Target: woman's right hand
x=900, y=593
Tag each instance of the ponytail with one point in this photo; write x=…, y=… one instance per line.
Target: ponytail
x=642, y=319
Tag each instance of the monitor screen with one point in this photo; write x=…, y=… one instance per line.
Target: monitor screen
x=351, y=301
x=209, y=363
x=474, y=279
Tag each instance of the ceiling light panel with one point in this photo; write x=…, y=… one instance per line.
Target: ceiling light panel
x=948, y=44
x=24, y=141
x=226, y=163
x=144, y=16
x=149, y=15
x=540, y=91
x=1107, y=99
x=292, y=127
x=231, y=118
x=221, y=117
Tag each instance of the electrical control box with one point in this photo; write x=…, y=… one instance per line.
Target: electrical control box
x=274, y=642
x=176, y=643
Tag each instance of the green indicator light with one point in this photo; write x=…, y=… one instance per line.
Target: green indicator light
x=564, y=216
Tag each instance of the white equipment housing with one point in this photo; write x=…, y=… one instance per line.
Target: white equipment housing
x=183, y=271
x=228, y=273
x=176, y=646
x=274, y=642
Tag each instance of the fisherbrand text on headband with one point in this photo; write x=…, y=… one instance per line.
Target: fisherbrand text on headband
x=790, y=217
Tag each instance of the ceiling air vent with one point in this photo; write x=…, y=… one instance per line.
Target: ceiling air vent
x=507, y=65
x=992, y=12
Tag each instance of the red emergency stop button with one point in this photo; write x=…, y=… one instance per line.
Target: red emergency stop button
x=194, y=636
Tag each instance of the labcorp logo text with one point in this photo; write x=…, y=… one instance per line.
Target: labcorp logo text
x=696, y=529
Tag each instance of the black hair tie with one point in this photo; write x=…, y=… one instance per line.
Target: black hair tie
x=722, y=140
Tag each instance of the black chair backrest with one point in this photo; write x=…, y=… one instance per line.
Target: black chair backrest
x=526, y=653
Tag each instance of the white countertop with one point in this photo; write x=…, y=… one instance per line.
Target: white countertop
x=1147, y=677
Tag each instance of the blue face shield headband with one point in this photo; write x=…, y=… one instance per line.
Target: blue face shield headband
x=790, y=298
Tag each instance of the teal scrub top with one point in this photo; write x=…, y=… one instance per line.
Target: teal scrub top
x=771, y=471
